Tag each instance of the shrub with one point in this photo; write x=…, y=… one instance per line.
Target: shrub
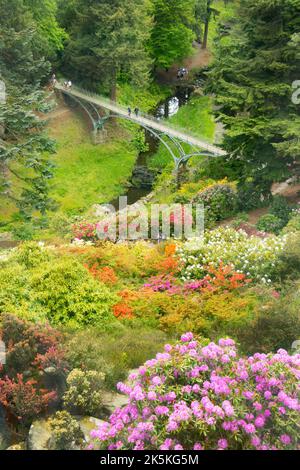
x=210, y=314
x=257, y=258
x=85, y=231
x=66, y=432
x=281, y=209
x=207, y=397
x=30, y=347
x=25, y=232
x=220, y=202
x=276, y=324
x=61, y=225
x=22, y=399
x=106, y=274
x=293, y=224
x=188, y=191
x=83, y=395
x=32, y=254
x=289, y=266
x=137, y=260
x=253, y=194
x=269, y=223
x=116, y=352
x=122, y=310
x=69, y=295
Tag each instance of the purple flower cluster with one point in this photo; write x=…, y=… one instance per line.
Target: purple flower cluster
x=163, y=283
x=196, y=396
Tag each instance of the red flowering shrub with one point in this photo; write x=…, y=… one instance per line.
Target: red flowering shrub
x=85, y=231
x=28, y=346
x=23, y=400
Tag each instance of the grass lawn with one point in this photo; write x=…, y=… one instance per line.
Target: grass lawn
x=87, y=174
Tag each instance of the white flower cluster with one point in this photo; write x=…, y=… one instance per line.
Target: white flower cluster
x=80, y=242
x=255, y=257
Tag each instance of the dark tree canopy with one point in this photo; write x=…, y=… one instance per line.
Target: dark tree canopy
x=252, y=78
x=172, y=34
x=108, y=38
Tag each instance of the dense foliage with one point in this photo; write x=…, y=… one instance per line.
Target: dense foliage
x=252, y=76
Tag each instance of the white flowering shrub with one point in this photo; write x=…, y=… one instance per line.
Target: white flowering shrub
x=255, y=257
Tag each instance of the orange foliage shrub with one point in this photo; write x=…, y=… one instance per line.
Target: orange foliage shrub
x=122, y=310
x=106, y=274
x=225, y=277
x=170, y=249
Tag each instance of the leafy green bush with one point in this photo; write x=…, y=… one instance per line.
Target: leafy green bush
x=293, y=224
x=289, y=266
x=24, y=232
x=14, y=294
x=66, y=432
x=220, y=202
x=276, y=325
x=189, y=190
x=281, y=209
x=69, y=295
x=252, y=195
x=32, y=254
x=61, y=224
x=269, y=223
x=83, y=395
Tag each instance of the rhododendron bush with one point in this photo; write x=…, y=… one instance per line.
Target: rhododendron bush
x=196, y=396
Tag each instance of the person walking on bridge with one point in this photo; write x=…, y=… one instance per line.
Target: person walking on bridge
x=129, y=111
x=136, y=112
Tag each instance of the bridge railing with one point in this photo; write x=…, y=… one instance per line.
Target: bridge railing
x=142, y=114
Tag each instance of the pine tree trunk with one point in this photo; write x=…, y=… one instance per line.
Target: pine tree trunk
x=205, y=35
x=113, y=92
x=113, y=89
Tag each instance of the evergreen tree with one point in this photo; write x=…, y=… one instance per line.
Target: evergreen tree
x=23, y=144
x=44, y=13
x=108, y=39
x=252, y=78
x=21, y=55
x=172, y=34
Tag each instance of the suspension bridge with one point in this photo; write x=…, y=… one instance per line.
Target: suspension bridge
x=170, y=136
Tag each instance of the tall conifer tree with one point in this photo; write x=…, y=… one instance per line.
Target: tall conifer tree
x=252, y=77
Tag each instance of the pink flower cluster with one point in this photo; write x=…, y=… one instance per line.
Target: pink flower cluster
x=168, y=283
x=84, y=231
x=196, y=396
x=163, y=283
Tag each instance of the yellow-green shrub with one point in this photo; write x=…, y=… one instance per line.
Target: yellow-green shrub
x=69, y=295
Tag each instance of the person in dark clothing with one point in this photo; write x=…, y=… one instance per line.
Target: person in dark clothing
x=136, y=111
x=129, y=111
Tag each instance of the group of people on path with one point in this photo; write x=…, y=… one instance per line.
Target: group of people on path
x=136, y=111
x=67, y=83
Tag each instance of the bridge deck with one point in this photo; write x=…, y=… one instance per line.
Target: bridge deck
x=143, y=120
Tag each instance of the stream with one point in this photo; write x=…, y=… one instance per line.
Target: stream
x=142, y=179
